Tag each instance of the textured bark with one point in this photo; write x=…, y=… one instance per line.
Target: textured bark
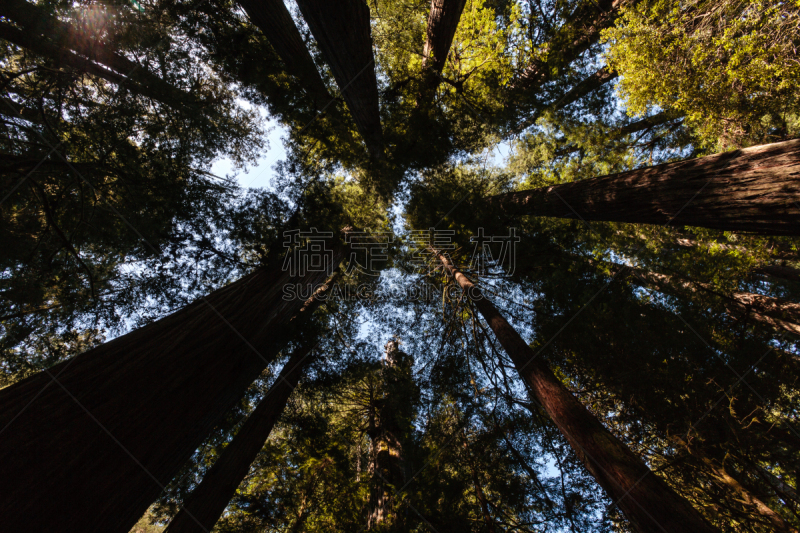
x=646, y=501
x=207, y=502
x=342, y=31
x=580, y=31
x=442, y=24
x=50, y=37
x=751, y=190
x=93, y=440
x=275, y=22
x=586, y=86
x=443, y=21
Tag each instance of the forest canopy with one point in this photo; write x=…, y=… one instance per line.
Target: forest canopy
x=524, y=266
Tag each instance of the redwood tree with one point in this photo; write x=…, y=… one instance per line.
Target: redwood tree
x=275, y=22
x=753, y=190
x=208, y=501
x=647, y=501
x=96, y=438
x=342, y=30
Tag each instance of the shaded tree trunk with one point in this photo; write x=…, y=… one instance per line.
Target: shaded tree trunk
x=275, y=22
x=634, y=127
x=385, y=432
x=783, y=489
x=442, y=24
x=646, y=501
x=342, y=31
x=752, y=190
x=206, y=503
x=763, y=309
x=94, y=440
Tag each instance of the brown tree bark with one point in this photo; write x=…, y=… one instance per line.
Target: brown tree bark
x=443, y=21
x=207, y=502
x=752, y=190
x=93, y=440
x=442, y=24
x=275, y=22
x=781, y=272
x=645, y=500
x=342, y=31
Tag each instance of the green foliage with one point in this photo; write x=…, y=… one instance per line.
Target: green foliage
x=134, y=226
x=729, y=66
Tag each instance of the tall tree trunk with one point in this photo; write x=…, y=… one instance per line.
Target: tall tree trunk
x=342, y=30
x=783, y=489
x=275, y=22
x=386, y=450
x=752, y=190
x=442, y=24
x=646, y=501
x=207, y=502
x=46, y=35
x=93, y=440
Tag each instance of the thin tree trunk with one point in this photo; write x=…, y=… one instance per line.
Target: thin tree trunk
x=783, y=489
x=756, y=306
x=207, y=502
x=342, y=31
x=634, y=127
x=643, y=124
x=647, y=502
x=302, y=514
x=93, y=440
x=752, y=190
x=275, y=22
